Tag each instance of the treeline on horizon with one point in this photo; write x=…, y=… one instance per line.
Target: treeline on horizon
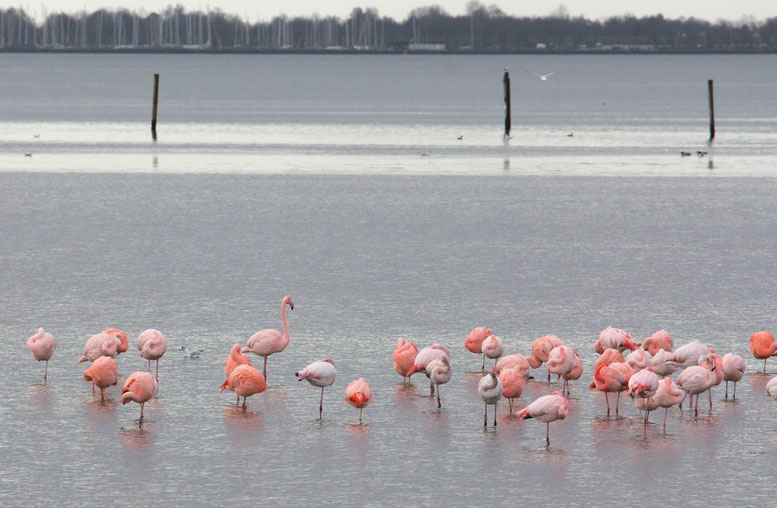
x=483, y=28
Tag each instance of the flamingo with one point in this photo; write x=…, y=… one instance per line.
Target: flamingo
x=424, y=358
x=609, y=356
x=733, y=370
x=771, y=388
x=439, y=372
x=322, y=374
x=541, y=348
x=514, y=361
x=493, y=347
x=659, y=340
x=42, y=346
x=103, y=373
x=689, y=354
x=661, y=363
x=245, y=380
x=714, y=362
x=513, y=383
x=668, y=394
x=152, y=345
x=474, y=342
x=123, y=340
x=643, y=385
x=490, y=389
x=576, y=371
x=614, y=338
x=639, y=359
x=546, y=409
x=612, y=378
x=404, y=357
x=694, y=380
x=234, y=360
x=359, y=395
x=269, y=341
x=763, y=346
x=139, y=387
x=561, y=361
x=100, y=344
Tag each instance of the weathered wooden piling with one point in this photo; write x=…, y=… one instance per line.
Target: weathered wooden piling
x=506, y=82
x=154, y=108
x=712, y=109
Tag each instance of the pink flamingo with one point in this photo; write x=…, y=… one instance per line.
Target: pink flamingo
x=771, y=388
x=643, y=385
x=639, y=359
x=493, y=347
x=763, y=346
x=424, y=358
x=612, y=378
x=42, y=346
x=123, y=341
x=733, y=370
x=561, y=361
x=514, y=361
x=404, y=357
x=659, y=340
x=546, y=409
x=474, y=342
x=245, y=381
x=490, y=390
x=100, y=344
x=513, y=383
x=139, y=387
x=608, y=357
x=662, y=364
x=714, y=362
x=576, y=371
x=152, y=345
x=359, y=395
x=439, y=371
x=235, y=359
x=614, y=338
x=689, y=354
x=322, y=374
x=267, y=342
x=696, y=379
x=667, y=395
x=103, y=373
x=541, y=348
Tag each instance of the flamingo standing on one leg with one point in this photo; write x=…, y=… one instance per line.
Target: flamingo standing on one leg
x=139, y=387
x=424, y=358
x=235, y=359
x=490, y=390
x=322, y=374
x=546, y=409
x=513, y=383
x=541, y=348
x=561, y=361
x=152, y=345
x=42, y=346
x=733, y=370
x=643, y=385
x=359, y=395
x=575, y=373
x=474, y=342
x=439, y=372
x=245, y=381
x=714, y=362
x=267, y=342
x=493, y=347
x=103, y=373
x=404, y=357
x=763, y=346
x=668, y=394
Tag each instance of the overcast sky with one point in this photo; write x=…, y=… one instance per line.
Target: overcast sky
x=398, y=9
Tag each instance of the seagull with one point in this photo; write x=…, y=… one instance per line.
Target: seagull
x=193, y=355
x=700, y=153
x=570, y=134
x=28, y=154
x=460, y=137
x=685, y=154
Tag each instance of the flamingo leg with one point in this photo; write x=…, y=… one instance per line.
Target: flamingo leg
x=245, y=400
x=483, y=365
x=617, y=403
x=439, y=404
x=548, y=376
x=431, y=388
x=764, y=365
x=510, y=405
x=710, y=392
x=681, y=402
x=485, y=417
x=102, y=395
x=140, y=422
x=46, y=372
x=495, y=403
x=735, y=389
x=157, y=371
x=666, y=411
x=92, y=387
x=607, y=400
x=149, y=366
x=360, y=415
x=264, y=370
x=321, y=405
x=547, y=434
x=237, y=403
x=697, y=406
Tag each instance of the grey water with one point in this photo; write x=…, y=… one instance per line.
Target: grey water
x=550, y=234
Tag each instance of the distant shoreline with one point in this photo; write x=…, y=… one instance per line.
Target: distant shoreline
x=271, y=51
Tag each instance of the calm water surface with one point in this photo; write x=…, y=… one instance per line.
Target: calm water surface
x=201, y=234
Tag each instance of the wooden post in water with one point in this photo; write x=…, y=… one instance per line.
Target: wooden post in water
x=712, y=109
x=506, y=82
x=154, y=108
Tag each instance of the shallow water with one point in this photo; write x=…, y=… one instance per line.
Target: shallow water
x=207, y=258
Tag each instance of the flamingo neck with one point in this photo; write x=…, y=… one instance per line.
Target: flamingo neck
x=286, y=336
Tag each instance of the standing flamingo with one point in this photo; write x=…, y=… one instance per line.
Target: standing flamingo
x=513, y=383
x=139, y=387
x=490, y=389
x=103, y=373
x=643, y=385
x=42, y=346
x=100, y=344
x=575, y=373
x=639, y=359
x=667, y=395
x=493, y=347
x=474, y=342
x=614, y=338
x=321, y=373
x=771, y=388
x=439, y=372
x=152, y=345
x=123, y=340
x=733, y=370
x=404, y=357
x=541, y=348
x=359, y=395
x=695, y=380
x=662, y=364
x=714, y=363
x=546, y=409
x=514, y=361
x=612, y=378
x=245, y=381
x=561, y=361
x=268, y=341
x=659, y=340
x=235, y=359
x=689, y=354
x=424, y=358
x=763, y=346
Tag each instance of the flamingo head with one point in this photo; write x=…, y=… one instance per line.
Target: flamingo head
x=127, y=387
x=287, y=301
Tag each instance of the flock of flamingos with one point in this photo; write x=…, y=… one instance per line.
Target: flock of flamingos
x=644, y=373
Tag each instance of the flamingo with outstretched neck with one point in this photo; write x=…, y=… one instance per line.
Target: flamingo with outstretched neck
x=42, y=346
x=269, y=341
